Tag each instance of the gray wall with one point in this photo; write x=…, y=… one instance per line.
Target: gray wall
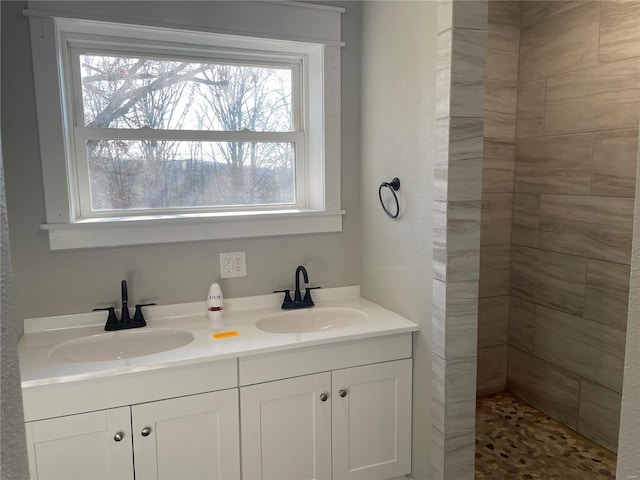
x=13, y=449
x=51, y=283
x=398, y=82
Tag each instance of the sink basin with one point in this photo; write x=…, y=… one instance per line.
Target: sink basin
x=311, y=320
x=121, y=344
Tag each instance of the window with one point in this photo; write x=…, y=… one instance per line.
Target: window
x=178, y=135
x=168, y=133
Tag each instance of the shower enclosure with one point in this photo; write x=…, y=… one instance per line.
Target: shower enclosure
x=562, y=105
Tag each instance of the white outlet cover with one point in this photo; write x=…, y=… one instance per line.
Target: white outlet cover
x=233, y=265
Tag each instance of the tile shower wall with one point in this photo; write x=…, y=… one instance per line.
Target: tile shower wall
x=578, y=105
x=460, y=86
x=497, y=193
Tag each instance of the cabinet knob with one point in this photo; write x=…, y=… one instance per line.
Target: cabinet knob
x=342, y=393
x=324, y=397
x=118, y=436
x=146, y=431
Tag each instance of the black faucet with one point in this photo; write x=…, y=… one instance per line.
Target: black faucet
x=297, y=297
x=125, y=319
x=298, y=301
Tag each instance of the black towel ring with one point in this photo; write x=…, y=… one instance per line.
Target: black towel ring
x=394, y=186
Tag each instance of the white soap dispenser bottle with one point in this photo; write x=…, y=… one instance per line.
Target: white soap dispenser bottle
x=214, y=307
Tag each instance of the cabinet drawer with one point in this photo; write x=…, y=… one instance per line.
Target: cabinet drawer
x=321, y=358
x=56, y=400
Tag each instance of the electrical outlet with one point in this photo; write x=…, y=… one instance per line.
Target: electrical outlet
x=233, y=265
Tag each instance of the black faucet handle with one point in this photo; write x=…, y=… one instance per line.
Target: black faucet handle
x=307, y=294
x=287, y=295
x=112, y=319
x=138, y=316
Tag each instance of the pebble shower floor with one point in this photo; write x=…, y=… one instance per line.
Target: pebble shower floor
x=516, y=441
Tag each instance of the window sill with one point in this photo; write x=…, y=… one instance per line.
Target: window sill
x=113, y=232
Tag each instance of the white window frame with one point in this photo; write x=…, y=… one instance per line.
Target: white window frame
x=319, y=208
x=79, y=134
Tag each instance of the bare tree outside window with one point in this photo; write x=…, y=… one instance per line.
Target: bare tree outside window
x=133, y=93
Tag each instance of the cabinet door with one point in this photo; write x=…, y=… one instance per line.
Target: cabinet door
x=286, y=429
x=194, y=437
x=372, y=421
x=86, y=446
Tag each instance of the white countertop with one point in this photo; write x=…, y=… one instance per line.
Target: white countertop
x=240, y=315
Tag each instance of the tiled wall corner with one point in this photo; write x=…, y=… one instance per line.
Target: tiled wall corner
x=499, y=158
x=456, y=234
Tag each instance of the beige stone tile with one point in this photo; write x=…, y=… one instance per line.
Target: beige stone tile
x=557, y=7
x=463, y=241
x=439, y=240
x=436, y=454
x=607, y=293
x=522, y=316
x=456, y=238
x=445, y=15
x=462, y=14
x=465, y=159
x=526, y=208
x=588, y=349
x=504, y=25
x=453, y=386
x=502, y=65
x=494, y=270
x=458, y=461
x=604, y=97
x=619, y=30
x=548, y=278
x=530, y=110
x=443, y=74
x=468, y=71
x=460, y=454
x=461, y=69
x=615, y=156
x=460, y=376
x=498, y=166
x=599, y=414
x=438, y=366
x=503, y=36
x=593, y=227
x=557, y=38
x=496, y=219
x=533, y=13
x=554, y=164
x=441, y=161
x=500, y=111
x=458, y=163
x=551, y=389
x=455, y=319
x=493, y=316
x=467, y=95
x=505, y=12
x=492, y=370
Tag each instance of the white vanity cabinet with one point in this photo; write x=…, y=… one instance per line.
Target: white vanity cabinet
x=86, y=446
x=193, y=437
x=332, y=404
x=286, y=429
x=371, y=421
x=188, y=438
x=350, y=423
